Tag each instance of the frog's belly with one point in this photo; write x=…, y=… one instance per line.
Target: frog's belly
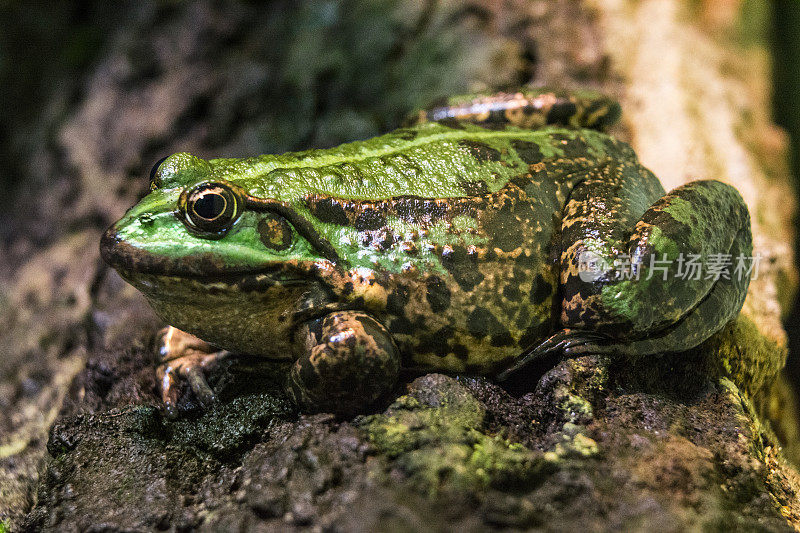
x=441, y=324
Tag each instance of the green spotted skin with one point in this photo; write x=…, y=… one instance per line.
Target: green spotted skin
x=458, y=234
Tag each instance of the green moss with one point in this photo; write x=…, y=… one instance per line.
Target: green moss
x=439, y=445
x=229, y=427
x=745, y=356
x=3, y=528
x=575, y=407
x=577, y=446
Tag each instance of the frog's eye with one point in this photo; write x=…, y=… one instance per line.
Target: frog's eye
x=209, y=209
x=275, y=232
x=155, y=175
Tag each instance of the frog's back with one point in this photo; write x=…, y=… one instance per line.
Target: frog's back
x=429, y=160
x=455, y=220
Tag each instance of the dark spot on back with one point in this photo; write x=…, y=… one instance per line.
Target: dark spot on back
x=328, y=210
x=463, y=268
x=481, y=322
x=384, y=238
x=528, y=151
x=481, y=151
x=401, y=326
x=502, y=338
x=572, y=146
x=512, y=292
x=438, y=294
x=397, y=300
x=369, y=219
x=541, y=290
x=437, y=343
x=561, y=112
x=461, y=352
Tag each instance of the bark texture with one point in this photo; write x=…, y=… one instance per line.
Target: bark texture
x=697, y=440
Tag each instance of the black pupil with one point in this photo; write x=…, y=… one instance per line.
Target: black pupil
x=210, y=206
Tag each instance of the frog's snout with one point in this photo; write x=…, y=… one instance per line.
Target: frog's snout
x=117, y=253
x=124, y=257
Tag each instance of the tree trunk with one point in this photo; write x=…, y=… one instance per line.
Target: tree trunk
x=703, y=439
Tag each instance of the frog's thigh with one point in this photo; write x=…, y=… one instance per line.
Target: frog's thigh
x=703, y=218
x=184, y=356
x=346, y=360
x=720, y=305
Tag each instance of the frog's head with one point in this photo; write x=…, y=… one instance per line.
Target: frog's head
x=201, y=222
x=213, y=258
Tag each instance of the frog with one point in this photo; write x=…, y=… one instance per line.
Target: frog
x=457, y=243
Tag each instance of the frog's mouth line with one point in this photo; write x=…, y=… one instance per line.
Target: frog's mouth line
x=131, y=262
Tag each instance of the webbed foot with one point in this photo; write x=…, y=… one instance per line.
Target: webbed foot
x=567, y=342
x=184, y=356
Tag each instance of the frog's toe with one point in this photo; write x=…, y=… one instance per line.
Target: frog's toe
x=200, y=387
x=566, y=342
x=170, y=390
x=190, y=367
x=185, y=357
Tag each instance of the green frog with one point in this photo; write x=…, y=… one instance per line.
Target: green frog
x=491, y=231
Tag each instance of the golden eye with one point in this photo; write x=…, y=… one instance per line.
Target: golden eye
x=209, y=209
x=275, y=232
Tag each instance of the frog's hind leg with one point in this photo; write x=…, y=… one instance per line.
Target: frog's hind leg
x=184, y=356
x=715, y=309
x=525, y=108
x=346, y=360
x=679, y=276
x=639, y=279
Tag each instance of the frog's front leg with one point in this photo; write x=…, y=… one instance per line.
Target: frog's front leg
x=346, y=360
x=184, y=356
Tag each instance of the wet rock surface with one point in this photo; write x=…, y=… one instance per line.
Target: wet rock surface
x=679, y=442
x=584, y=448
